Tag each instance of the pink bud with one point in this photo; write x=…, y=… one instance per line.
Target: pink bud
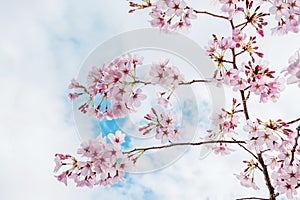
x=148, y=117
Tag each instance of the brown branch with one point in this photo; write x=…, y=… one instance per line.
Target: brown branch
x=211, y=14
x=185, y=144
x=246, y=113
x=294, y=121
x=267, y=177
x=242, y=24
x=247, y=150
x=239, y=53
x=194, y=81
x=244, y=100
x=295, y=145
x=248, y=198
x=180, y=83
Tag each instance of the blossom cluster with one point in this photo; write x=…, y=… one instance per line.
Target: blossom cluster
x=253, y=76
x=246, y=177
x=172, y=15
x=287, y=14
x=218, y=48
x=224, y=125
x=293, y=70
x=104, y=163
x=168, y=77
x=114, y=84
x=113, y=91
x=278, y=143
x=248, y=9
x=165, y=124
x=168, y=14
x=270, y=135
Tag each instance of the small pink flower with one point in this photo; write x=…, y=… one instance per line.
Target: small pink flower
x=63, y=177
x=74, y=84
x=175, y=7
x=279, y=9
x=73, y=96
x=246, y=181
x=225, y=43
x=271, y=161
x=119, y=110
x=222, y=149
x=118, y=138
x=293, y=70
x=136, y=98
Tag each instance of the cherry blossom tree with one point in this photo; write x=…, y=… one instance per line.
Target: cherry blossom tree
x=272, y=144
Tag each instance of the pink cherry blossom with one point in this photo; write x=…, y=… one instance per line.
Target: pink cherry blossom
x=268, y=138
x=222, y=149
x=165, y=125
x=104, y=163
x=75, y=84
x=165, y=74
x=246, y=181
x=228, y=6
x=73, y=96
x=117, y=138
x=279, y=9
x=158, y=19
x=136, y=98
x=271, y=161
x=171, y=15
x=63, y=177
x=293, y=70
x=175, y=7
x=238, y=37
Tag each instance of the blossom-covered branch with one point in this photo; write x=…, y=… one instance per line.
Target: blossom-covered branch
x=114, y=90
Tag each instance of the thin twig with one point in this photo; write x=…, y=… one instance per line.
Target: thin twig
x=195, y=81
x=185, y=144
x=295, y=145
x=248, y=198
x=242, y=24
x=246, y=113
x=211, y=14
x=180, y=83
x=294, y=121
x=267, y=177
x=247, y=150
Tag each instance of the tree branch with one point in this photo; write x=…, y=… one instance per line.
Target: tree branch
x=267, y=177
x=186, y=144
x=180, y=83
x=295, y=145
x=211, y=14
x=246, y=113
x=248, y=198
x=294, y=121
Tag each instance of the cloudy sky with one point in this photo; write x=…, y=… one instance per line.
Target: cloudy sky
x=42, y=45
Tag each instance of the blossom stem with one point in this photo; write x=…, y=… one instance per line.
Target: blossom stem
x=186, y=144
x=180, y=83
x=267, y=177
x=239, y=53
x=248, y=198
x=248, y=151
x=242, y=24
x=246, y=113
x=211, y=14
x=295, y=145
x=293, y=121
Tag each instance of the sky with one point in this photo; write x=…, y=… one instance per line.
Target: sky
x=42, y=46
